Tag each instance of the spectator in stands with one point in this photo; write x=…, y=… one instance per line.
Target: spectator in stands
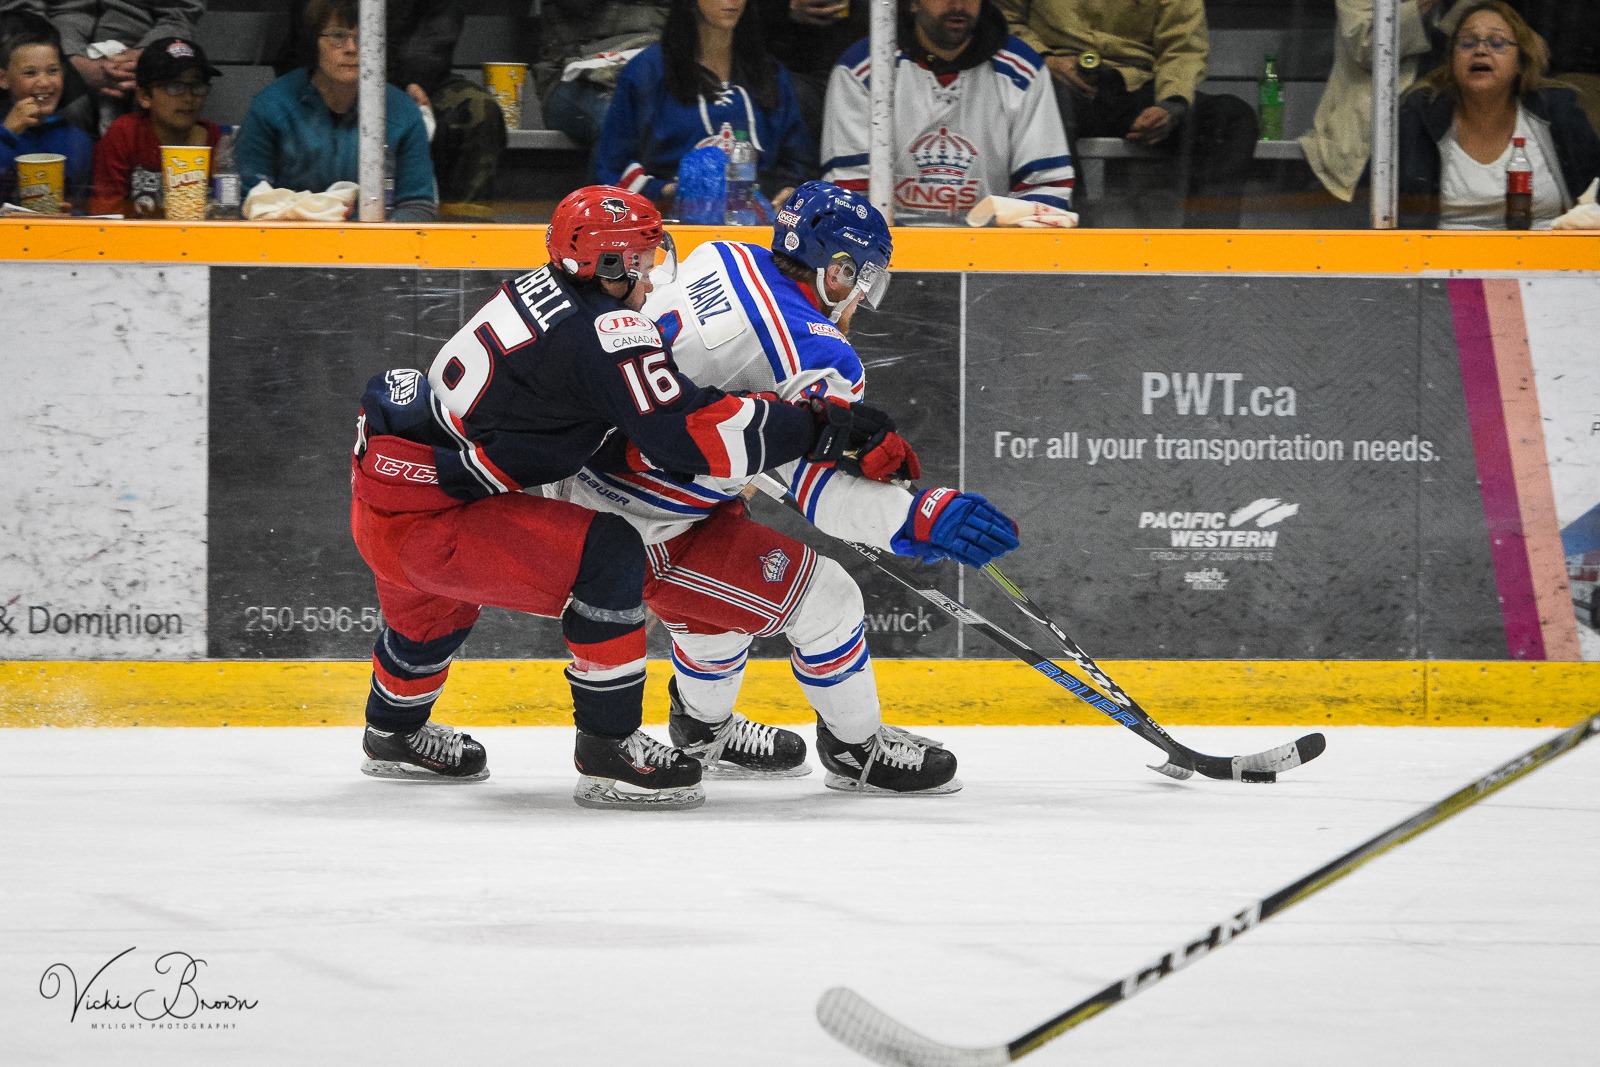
x=709, y=68
x=31, y=78
x=1568, y=36
x=300, y=132
x=102, y=40
x=1456, y=129
x=465, y=125
x=598, y=36
x=171, y=84
x=1339, y=143
x=808, y=37
x=973, y=116
x=1152, y=58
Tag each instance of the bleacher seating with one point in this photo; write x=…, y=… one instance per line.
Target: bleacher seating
x=249, y=37
x=485, y=39
x=243, y=36
x=231, y=94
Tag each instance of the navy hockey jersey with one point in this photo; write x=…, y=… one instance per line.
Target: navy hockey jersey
x=529, y=388
x=736, y=322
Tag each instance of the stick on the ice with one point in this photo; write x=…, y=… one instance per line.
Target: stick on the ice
x=1182, y=761
x=859, y=1025
x=1261, y=767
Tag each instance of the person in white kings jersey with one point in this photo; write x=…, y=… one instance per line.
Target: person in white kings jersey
x=745, y=318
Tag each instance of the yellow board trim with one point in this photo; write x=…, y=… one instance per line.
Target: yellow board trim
x=511, y=248
x=918, y=692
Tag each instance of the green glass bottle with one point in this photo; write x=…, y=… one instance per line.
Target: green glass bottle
x=1270, y=96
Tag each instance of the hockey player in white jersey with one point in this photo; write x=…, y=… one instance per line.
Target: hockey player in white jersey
x=742, y=317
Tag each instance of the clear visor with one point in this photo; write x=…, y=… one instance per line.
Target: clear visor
x=872, y=281
x=661, y=262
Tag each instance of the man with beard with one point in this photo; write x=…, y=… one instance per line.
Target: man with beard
x=974, y=116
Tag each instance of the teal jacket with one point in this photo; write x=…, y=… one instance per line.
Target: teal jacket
x=292, y=141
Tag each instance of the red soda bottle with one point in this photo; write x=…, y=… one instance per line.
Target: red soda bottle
x=1519, y=188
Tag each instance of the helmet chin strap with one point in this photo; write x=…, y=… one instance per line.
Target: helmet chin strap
x=835, y=310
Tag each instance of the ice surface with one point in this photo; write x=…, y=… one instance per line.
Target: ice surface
x=393, y=923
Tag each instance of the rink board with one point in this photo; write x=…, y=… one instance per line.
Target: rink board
x=1211, y=471
x=928, y=693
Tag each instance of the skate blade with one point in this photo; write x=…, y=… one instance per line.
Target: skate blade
x=724, y=771
x=410, y=772
x=611, y=794
x=851, y=785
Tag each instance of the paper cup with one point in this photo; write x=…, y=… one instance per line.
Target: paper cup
x=506, y=81
x=41, y=182
x=185, y=174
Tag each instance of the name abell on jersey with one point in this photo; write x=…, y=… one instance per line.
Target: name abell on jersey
x=1219, y=529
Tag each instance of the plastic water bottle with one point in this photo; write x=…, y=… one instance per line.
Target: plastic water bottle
x=742, y=209
x=1269, y=93
x=225, y=184
x=1519, y=187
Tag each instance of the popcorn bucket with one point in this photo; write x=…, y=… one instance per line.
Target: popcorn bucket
x=41, y=182
x=505, y=81
x=185, y=180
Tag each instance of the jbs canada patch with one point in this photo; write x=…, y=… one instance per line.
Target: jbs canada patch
x=618, y=330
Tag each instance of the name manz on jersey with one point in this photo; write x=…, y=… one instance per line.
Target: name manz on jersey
x=735, y=322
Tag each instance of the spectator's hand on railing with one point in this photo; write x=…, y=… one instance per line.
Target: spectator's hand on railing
x=1152, y=126
x=814, y=12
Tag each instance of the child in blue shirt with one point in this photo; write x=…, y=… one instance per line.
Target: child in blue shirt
x=31, y=75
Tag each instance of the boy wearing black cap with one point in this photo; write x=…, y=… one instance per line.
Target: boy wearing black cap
x=172, y=78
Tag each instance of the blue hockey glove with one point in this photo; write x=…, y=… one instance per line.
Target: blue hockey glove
x=945, y=524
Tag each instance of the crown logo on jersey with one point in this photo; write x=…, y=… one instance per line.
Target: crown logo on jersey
x=773, y=565
x=943, y=155
x=944, y=161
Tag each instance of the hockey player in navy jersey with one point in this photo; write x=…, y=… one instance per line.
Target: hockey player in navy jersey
x=524, y=394
x=742, y=317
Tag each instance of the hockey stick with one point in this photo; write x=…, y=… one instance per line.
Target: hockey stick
x=1261, y=767
x=859, y=1025
x=1182, y=761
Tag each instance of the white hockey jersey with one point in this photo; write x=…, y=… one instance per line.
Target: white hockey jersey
x=736, y=323
x=992, y=129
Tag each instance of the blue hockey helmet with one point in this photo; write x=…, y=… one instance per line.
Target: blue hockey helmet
x=822, y=225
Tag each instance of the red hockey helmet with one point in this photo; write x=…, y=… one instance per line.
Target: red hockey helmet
x=601, y=231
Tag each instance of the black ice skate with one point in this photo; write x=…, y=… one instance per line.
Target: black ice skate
x=737, y=747
x=433, y=753
x=636, y=771
x=891, y=761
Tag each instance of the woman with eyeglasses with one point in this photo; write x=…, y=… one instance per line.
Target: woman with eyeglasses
x=172, y=80
x=301, y=131
x=1457, y=125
